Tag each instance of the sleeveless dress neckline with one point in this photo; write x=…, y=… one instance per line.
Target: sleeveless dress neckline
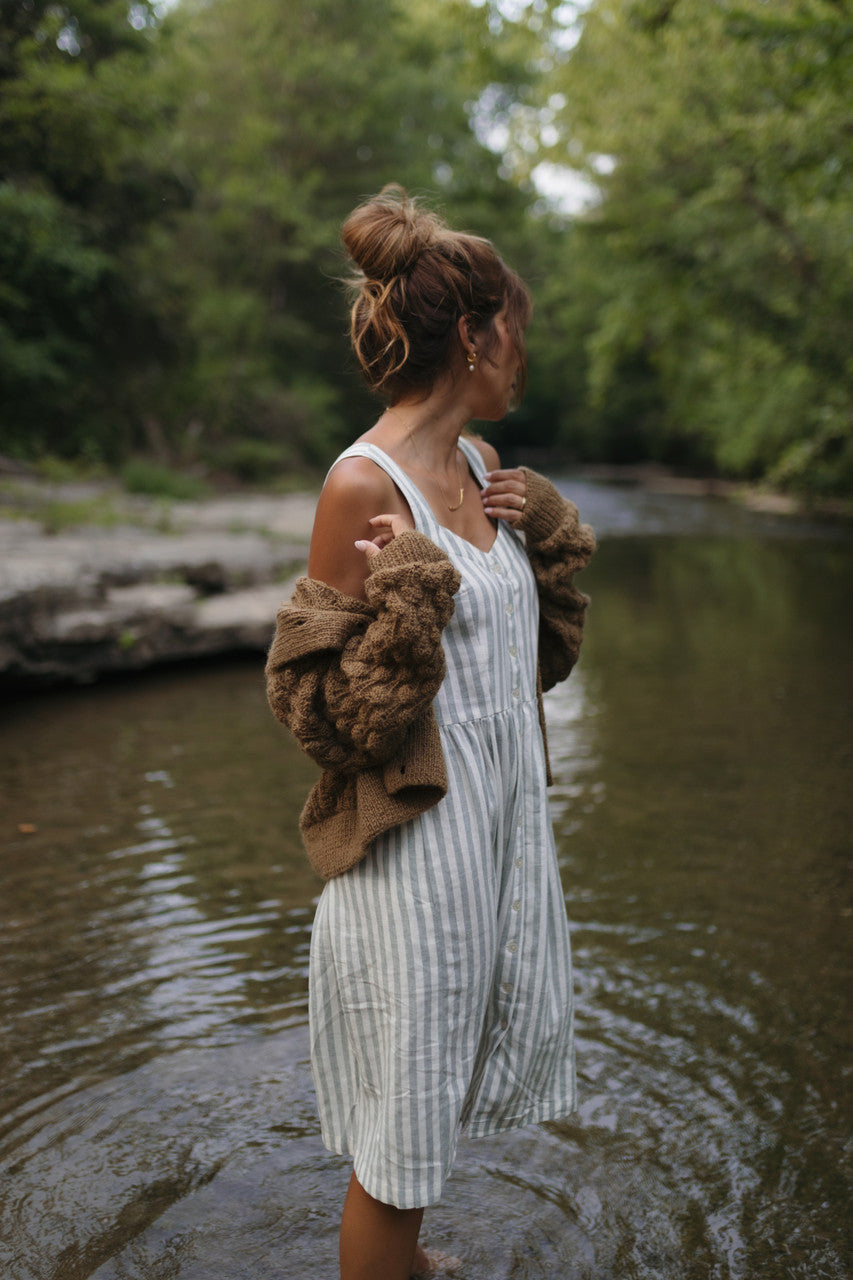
x=408, y=488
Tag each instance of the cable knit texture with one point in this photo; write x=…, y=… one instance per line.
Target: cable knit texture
x=354, y=680
x=558, y=546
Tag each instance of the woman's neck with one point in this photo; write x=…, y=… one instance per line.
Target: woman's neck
x=428, y=430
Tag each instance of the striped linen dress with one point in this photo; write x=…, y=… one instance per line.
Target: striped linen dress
x=440, y=972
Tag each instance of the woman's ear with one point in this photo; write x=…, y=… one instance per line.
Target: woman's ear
x=466, y=334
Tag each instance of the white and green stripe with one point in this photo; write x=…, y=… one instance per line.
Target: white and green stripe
x=440, y=993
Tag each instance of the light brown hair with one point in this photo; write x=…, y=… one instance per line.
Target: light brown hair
x=415, y=279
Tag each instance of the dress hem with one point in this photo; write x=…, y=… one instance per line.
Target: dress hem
x=488, y=1128
x=539, y=1115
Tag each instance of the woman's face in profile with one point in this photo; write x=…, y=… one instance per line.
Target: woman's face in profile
x=497, y=369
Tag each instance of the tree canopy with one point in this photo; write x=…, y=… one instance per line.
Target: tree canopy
x=77, y=189
x=172, y=182
x=720, y=136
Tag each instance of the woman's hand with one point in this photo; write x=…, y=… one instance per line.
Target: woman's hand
x=505, y=495
x=387, y=528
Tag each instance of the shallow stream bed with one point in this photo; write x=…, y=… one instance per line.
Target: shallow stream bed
x=156, y=1109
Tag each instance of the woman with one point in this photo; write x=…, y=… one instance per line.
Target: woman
x=409, y=664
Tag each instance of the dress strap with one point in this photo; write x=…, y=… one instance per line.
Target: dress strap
x=474, y=458
x=425, y=521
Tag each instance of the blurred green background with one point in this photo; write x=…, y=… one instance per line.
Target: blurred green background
x=673, y=177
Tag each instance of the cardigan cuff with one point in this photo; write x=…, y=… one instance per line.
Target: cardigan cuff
x=409, y=547
x=412, y=574
x=545, y=510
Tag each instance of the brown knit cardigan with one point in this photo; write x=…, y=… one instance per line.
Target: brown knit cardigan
x=354, y=680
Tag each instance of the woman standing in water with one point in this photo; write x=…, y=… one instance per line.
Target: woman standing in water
x=409, y=664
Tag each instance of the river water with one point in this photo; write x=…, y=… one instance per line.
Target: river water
x=156, y=1110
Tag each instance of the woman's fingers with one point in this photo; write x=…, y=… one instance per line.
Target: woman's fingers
x=372, y=546
x=505, y=495
x=388, y=527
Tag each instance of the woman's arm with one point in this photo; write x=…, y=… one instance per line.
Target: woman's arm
x=356, y=491
x=390, y=675
x=349, y=674
x=558, y=547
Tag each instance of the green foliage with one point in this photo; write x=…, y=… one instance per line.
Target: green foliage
x=77, y=186
x=170, y=198
x=50, y=282
x=253, y=461
x=288, y=115
x=150, y=478
x=173, y=179
x=60, y=515
x=724, y=233
x=67, y=470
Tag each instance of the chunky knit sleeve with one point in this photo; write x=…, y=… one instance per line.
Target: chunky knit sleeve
x=558, y=546
x=349, y=678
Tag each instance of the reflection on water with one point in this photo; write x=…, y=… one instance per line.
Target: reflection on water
x=157, y=1117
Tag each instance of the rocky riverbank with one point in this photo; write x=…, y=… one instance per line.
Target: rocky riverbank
x=93, y=580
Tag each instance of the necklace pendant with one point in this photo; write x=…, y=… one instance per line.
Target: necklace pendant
x=429, y=469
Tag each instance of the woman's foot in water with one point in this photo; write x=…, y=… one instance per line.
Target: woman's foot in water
x=430, y=1262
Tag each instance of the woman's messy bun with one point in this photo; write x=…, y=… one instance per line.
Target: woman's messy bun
x=386, y=236
x=415, y=279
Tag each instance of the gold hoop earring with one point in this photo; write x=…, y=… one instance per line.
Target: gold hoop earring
x=471, y=358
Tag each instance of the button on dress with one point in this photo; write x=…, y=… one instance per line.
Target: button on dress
x=440, y=990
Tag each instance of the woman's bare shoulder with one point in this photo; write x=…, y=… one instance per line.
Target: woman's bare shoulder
x=356, y=480
x=488, y=453
x=356, y=489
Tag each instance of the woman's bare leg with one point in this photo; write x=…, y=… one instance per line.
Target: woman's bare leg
x=378, y=1241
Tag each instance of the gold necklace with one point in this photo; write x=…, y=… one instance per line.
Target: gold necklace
x=435, y=477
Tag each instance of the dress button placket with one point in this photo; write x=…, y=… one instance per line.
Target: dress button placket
x=516, y=902
x=513, y=646
x=507, y=986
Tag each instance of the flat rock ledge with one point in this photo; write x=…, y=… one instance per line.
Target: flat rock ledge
x=90, y=601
